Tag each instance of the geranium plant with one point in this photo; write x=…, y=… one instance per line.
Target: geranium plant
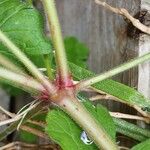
x=91, y=127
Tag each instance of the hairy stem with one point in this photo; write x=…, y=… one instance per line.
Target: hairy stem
x=128, y=116
x=20, y=81
x=30, y=66
x=96, y=132
x=131, y=130
x=56, y=35
x=9, y=65
x=47, y=61
x=117, y=70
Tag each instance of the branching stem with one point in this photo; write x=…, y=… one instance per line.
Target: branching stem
x=117, y=70
x=27, y=83
x=30, y=66
x=56, y=35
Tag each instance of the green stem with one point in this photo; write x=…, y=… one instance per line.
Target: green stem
x=96, y=132
x=47, y=61
x=115, y=71
x=20, y=81
x=30, y=66
x=131, y=130
x=61, y=60
x=9, y=65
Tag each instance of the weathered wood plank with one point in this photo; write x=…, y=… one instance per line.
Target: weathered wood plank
x=144, y=47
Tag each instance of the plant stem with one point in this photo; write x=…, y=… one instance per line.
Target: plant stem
x=61, y=60
x=30, y=66
x=131, y=130
x=96, y=132
x=128, y=116
x=34, y=131
x=9, y=65
x=117, y=70
x=18, y=80
x=47, y=61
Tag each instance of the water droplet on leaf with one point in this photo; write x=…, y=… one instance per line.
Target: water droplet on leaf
x=84, y=137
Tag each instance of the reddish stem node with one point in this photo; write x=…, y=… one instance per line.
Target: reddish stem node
x=44, y=96
x=64, y=84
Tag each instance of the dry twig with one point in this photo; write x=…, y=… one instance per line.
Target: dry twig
x=38, y=123
x=128, y=116
x=22, y=145
x=102, y=97
x=6, y=112
x=20, y=115
x=123, y=12
x=34, y=131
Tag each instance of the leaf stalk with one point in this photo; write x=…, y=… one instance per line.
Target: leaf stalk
x=115, y=71
x=20, y=81
x=56, y=35
x=29, y=65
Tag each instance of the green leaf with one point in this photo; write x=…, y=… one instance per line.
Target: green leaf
x=77, y=52
x=62, y=129
x=101, y=114
x=122, y=92
x=142, y=146
x=24, y=25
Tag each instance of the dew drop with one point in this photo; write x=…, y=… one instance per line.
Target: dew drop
x=84, y=137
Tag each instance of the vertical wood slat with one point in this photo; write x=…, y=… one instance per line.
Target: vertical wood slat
x=144, y=47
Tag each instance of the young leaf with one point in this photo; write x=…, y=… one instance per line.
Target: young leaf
x=142, y=146
x=77, y=52
x=122, y=92
x=24, y=25
x=62, y=129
